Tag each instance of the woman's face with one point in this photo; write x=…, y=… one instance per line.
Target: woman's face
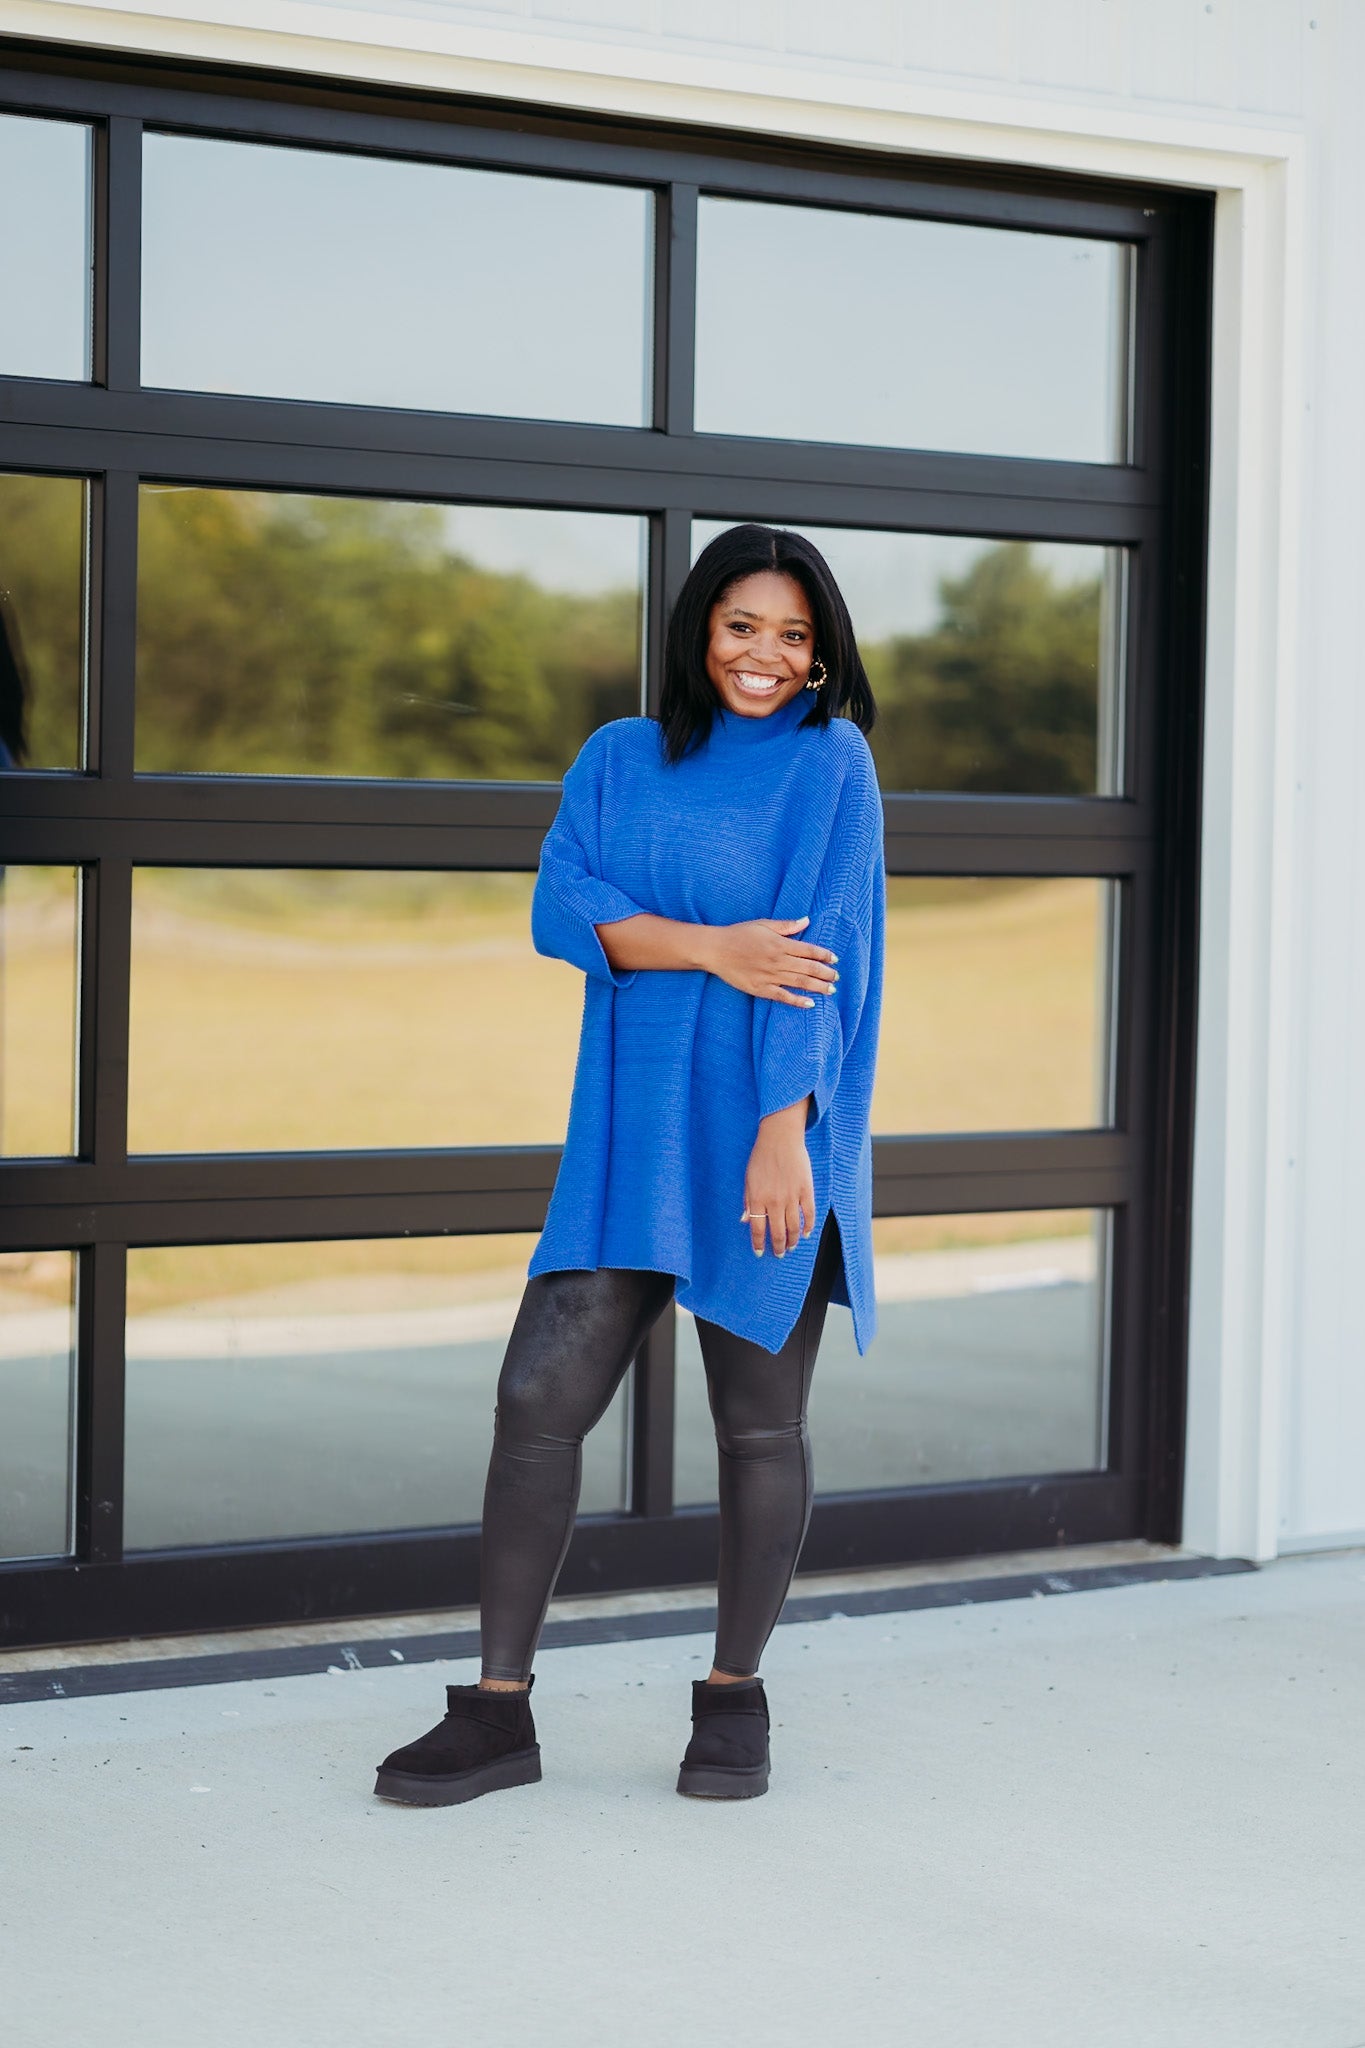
x=761, y=645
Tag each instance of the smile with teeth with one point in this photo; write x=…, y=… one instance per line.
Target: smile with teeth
x=753, y=684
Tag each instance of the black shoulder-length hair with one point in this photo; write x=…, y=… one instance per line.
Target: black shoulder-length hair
x=688, y=701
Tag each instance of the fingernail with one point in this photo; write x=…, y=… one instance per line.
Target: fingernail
x=834, y=959
x=810, y=1003
x=757, y=1253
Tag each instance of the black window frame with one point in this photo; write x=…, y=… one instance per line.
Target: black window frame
x=106, y=820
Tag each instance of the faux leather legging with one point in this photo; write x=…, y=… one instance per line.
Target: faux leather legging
x=574, y=1336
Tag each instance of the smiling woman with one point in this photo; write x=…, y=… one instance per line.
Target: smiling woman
x=721, y=1105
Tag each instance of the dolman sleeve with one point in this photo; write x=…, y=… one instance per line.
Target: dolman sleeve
x=570, y=895
x=804, y=1050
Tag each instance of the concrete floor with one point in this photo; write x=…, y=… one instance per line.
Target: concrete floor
x=1122, y=1819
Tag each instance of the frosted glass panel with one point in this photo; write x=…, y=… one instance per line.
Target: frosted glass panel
x=45, y=248
x=297, y=273
x=910, y=333
x=297, y=1390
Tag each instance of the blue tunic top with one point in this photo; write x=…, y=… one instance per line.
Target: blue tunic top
x=768, y=818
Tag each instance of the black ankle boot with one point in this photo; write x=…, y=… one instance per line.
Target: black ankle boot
x=486, y=1742
x=727, y=1757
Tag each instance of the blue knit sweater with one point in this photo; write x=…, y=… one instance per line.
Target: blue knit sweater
x=767, y=819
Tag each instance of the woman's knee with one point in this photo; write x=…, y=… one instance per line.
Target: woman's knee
x=536, y=1406
x=753, y=1442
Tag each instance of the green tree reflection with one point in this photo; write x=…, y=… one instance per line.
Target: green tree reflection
x=42, y=565
x=1001, y=697
x=332, y=636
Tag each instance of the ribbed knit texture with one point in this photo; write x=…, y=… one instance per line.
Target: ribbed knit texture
x=767, y=819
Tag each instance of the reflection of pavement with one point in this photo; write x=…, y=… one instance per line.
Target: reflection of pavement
x=305, y=1442
x=972, y=1387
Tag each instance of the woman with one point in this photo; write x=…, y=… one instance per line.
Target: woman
x=717, y=875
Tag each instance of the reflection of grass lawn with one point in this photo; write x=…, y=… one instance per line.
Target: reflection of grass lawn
x=411, y=1013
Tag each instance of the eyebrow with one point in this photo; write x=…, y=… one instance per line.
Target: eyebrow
x=738, y=611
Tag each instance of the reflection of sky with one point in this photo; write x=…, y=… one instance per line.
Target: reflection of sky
x=583, y=552
x=890, y=580
x=294, y=273
x=831, y=326
x=45, y=236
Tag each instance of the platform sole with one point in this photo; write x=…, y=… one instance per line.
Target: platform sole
x=713, y=1781
x=410, y=1789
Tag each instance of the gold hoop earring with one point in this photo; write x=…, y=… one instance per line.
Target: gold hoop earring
x=823, y=677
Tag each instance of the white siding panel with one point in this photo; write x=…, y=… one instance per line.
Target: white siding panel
x=1323, y=1477
x=1077, y=44
x=854, y=31
x=721, y=24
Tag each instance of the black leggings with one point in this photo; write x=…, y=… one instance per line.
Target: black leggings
x=574, y=1336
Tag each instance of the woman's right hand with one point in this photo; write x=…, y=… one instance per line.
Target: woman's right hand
x=764, y=958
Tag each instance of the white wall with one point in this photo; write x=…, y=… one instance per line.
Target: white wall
x=1200, y=91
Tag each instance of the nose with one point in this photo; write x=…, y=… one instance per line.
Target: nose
x=768, y=649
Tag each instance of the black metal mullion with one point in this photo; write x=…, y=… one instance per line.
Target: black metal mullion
x=252, y=444
x=101, y=1293
x=652, y=1412
x=365, y=121
x=113, y=639
x=679, y=324
x=1179, y=747
x=105, y=978
x=121, y=292
x=252, y=1584
x=318, y=803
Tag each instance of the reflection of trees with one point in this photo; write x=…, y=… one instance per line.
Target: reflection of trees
x=1001, y=696
x=41, y=548
x=338, y=636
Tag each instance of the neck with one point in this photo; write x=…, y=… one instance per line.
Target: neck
x=734, y=728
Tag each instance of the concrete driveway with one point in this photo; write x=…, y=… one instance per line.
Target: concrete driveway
x=1123, y=1819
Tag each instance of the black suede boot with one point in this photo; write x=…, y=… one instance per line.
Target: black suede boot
x=486, y=1742
x=727, y=1757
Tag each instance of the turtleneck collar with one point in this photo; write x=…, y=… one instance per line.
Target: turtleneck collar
x=732, y=728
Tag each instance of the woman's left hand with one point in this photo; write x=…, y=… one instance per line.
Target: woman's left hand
x=779, y=1192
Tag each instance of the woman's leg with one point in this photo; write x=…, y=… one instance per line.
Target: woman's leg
x=758, y=1400
x=573, y=1338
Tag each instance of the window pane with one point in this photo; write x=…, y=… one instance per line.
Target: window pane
x=996, y=1013
x=913, y=333
x=42, y=620
x=996, y=665
x=284, y=1390
x=37, y=1389
x=293, y=1009
x=45, y=248
x=990, y=1359
x=289, y=635
x=39, y=918
x=297, y=273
